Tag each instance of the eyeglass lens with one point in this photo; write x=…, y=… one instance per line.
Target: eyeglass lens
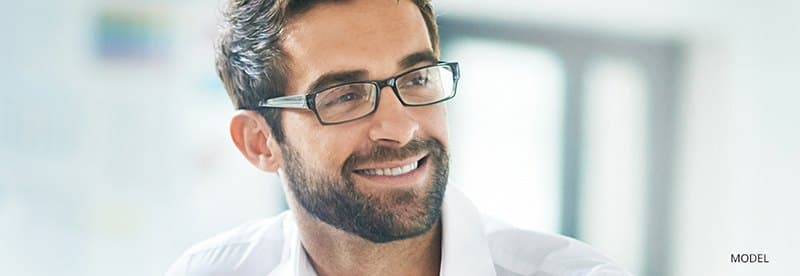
x=351, y=101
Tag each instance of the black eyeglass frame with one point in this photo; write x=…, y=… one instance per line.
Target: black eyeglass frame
x=308, y=101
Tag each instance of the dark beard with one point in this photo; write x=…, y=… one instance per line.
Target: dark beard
x=336, y=201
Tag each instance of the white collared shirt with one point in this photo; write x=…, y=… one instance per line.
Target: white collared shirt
x=471, y=245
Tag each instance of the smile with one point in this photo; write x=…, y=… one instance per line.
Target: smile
x=394, y=171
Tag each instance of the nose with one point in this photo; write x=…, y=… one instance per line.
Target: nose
x=392, y=123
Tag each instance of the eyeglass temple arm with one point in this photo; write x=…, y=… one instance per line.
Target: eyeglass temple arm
x=297, y=101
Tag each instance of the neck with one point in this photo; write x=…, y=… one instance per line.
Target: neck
x=335, y=252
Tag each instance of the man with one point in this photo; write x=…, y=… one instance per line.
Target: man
x=343, y=100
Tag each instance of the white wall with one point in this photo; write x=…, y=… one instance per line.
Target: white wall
x=113, y=167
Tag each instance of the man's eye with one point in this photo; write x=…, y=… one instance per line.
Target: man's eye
x=418, y=81
x=348, y=97
x=343, y=98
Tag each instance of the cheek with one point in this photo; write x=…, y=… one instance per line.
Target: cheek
x=335, y=146
x=433, y=122
x=321, y=147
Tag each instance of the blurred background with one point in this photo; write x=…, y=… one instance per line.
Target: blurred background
x=664, y=133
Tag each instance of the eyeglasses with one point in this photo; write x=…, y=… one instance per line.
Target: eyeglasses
x=355, y=100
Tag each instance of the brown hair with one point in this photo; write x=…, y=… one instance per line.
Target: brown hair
x=249, y=57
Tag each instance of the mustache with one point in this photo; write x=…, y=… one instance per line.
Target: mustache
x=383, y=153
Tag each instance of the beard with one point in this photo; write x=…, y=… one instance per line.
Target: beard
x=380, y=218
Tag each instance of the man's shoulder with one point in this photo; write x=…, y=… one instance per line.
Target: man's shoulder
x=235, y=251
x=518, y=251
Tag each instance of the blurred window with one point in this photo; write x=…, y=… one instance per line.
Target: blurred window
x=569, y=131
x=505, y=86
x=613, y=180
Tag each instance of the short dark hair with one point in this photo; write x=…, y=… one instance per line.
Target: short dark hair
x=249, y=55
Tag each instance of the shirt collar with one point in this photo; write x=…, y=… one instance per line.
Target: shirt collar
x=294, y=261
x=465, y=249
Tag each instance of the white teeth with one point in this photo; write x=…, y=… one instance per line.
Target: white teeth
x=393, y=171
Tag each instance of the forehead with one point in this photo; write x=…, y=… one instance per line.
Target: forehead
x=371, y=35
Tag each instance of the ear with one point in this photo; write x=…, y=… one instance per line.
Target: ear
x=253, y=137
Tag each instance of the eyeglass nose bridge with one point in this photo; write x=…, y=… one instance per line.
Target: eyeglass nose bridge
x=390, y=83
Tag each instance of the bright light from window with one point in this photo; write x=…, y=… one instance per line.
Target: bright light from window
x=506, y=124
x=612, y=207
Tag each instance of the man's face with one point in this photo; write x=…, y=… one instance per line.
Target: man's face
x=334, y=171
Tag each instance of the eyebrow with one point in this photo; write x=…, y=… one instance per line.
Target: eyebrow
x=328, y=79
x=331, y=78
x=421, y=56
